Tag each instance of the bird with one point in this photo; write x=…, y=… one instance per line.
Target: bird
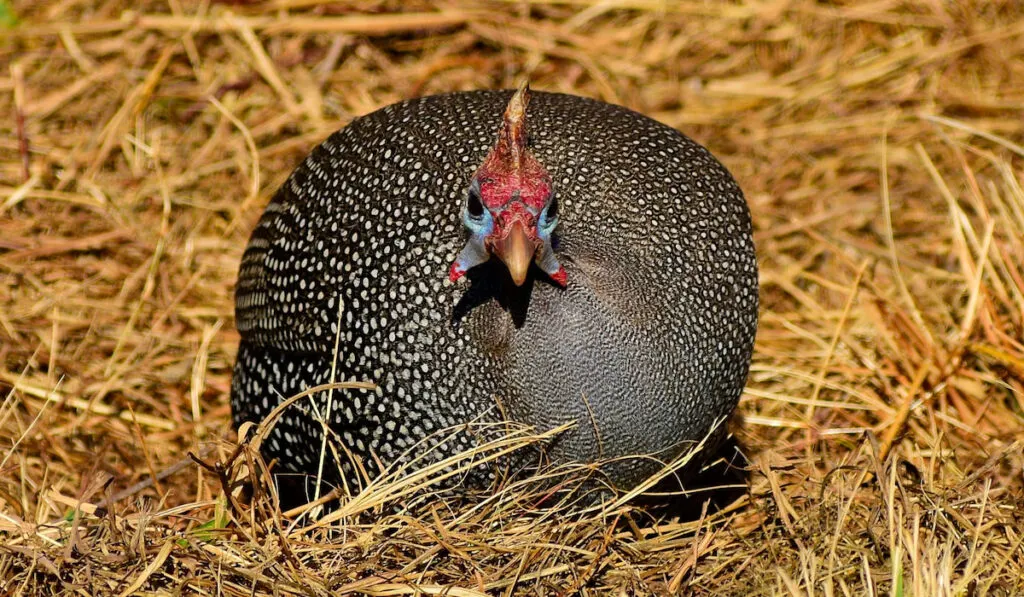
x=498, y=255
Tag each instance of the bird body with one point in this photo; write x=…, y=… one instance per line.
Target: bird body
x=586, y=265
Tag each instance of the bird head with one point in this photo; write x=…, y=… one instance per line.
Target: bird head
x=510, y=208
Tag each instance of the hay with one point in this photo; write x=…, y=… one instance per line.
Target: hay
x=880, y=148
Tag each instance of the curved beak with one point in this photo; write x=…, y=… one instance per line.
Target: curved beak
x=517, y=251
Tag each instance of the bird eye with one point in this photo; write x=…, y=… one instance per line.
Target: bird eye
x=549, y=217
x=553, y=208
x=474, y=206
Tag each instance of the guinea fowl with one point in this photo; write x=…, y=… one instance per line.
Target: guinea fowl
x=588, y=265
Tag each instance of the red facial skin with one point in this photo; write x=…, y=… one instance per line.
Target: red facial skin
x=500, y=184
x=511, y=201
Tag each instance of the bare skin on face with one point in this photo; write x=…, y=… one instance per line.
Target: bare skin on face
x=510, y=209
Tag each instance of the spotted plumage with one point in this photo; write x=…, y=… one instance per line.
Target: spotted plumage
x=646, y=347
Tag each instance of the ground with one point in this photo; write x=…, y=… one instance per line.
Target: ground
x=880, y=148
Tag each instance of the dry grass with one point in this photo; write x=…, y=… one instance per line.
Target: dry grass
x=880, y=148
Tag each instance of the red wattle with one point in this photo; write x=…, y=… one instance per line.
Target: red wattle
x=560, y=277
